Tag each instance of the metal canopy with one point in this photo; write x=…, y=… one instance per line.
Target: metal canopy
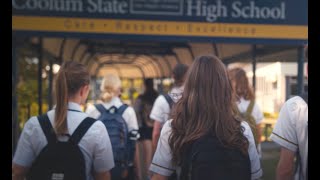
x=151, y=59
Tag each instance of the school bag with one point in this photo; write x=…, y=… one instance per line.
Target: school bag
x=169, y=100
x=60, y=160
x=207, y=158
x=247, y=116
x=122, y=146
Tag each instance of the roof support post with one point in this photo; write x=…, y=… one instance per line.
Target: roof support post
x=93, y=84
x=300, y=71
x=160, y=87
x=15, y=127
x=40, y=76
x=254, y=63
x=50, y=78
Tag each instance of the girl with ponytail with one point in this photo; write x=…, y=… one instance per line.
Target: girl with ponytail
x=71, y=90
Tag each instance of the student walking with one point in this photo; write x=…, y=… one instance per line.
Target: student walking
x=247, y=106
x=121, y=123
x=65, y=143
x=205, y=138
x=143, y=106
x=291, y=133
x=163, y=104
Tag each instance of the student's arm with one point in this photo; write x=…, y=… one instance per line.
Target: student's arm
x=102, y=175
x=25, y=155
x=18, y=172
x=158, y=177
x=158, y=113
x=256, y=170
x=284, y=134
x=102, y=154
x=285, y=165
x=259, y=133
x=155, y=134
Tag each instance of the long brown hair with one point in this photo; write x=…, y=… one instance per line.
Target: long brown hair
x=242, y=86
x=207, y=106
x=70, y=78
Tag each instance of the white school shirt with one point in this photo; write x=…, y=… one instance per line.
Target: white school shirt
x=95, y=144
x=129, y=115
x=291, y=130
x=162, y=159
x=161, y=109
x=256, y=111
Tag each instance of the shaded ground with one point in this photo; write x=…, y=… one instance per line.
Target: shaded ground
x=270, y=158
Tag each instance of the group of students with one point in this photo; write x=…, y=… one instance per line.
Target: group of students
x=199, y=130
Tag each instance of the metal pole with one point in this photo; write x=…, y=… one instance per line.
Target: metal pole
x=40, y=76
x=94, y=89
x=254, y=63
x=15, y=127
x=300, y=70
x=161, y=85
x=50, y=84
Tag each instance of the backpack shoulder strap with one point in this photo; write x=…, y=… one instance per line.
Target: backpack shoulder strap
x=81, y=130
x=47, y=128
x=250, y=107
x=100, y=108
x=168, y=99
x=122, y=108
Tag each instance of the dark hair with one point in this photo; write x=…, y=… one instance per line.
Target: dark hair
x=179, y=72
x=70, y=78
x=148, y=83
x=242, y=86
x=207, y=106
x=150, y=94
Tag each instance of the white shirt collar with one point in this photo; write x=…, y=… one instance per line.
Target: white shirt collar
x=73, y=106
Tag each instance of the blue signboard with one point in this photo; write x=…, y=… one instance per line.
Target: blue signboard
x=252, y=21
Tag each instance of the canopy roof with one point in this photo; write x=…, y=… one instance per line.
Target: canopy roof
x=152, y=59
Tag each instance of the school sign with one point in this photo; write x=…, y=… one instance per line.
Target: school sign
x=249, y=21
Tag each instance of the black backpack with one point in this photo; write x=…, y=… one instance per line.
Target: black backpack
x=206, y=158
x=60, y=160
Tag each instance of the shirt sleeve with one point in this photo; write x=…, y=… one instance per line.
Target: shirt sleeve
x=160, y=110
x=131, y=119
x=256, y=171
x=103, y=155
x=25, y=154
x=284, y=131
x=257, y=114
x=162, y=159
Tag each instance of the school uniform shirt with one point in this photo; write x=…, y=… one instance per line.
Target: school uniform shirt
x=291, y=130
x=128, y=115
x=256, y=111
x=161, y=109
x=95, y=144
x=162, y=159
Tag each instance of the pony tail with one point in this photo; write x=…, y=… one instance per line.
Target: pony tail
x=62, y=103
